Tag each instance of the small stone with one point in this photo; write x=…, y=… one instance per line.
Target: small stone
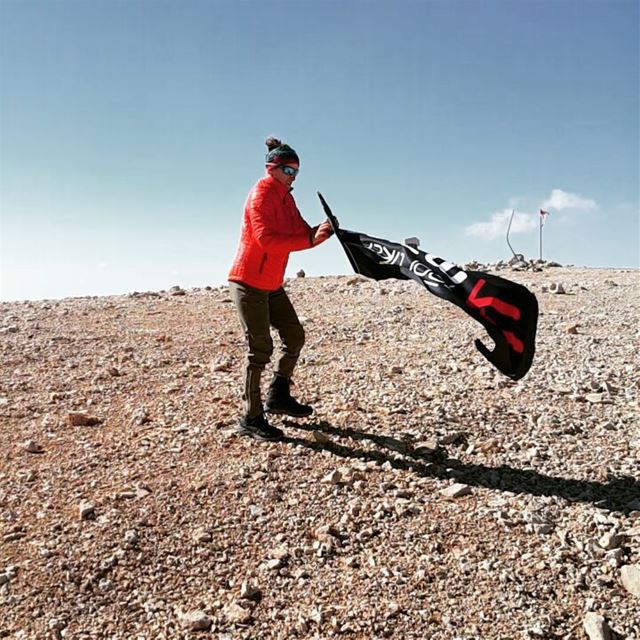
x=335, y=477
x=31, y=446
x=630, y=577
x=301, y=274
x=609, y=541
x=273, y=564
x=82, y=420
x=202, y=535
x=56, y=624
x=249, y=591
x=195, y=621
x=109, y=562
x=596, y=627
x=142, y=491
x=125, y=495
x=86, y=510
x=426, y=446
x=572, y=329
x=256, y=511
x=105, y=585
x=281, y=552
x=140, y=416
x=315, y=615
x=131, y=537
x=320, y=437
x=48, y=421
x=10, y=329
x=456, y=490
x=301, y=626
x=13, y=537
x=488, y=445
x=235, y=613
x=543, y=528
x=11, y=571
x=452, y=438
x=326, y=531
x=615, y=557
x=556, y=287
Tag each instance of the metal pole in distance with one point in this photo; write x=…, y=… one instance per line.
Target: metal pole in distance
x=513, y=211
x=541, y=216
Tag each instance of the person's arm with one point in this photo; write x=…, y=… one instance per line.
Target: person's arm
x=321, y=233
x=317, y=234
x=262, y=215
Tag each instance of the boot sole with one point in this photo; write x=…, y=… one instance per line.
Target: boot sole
x=281, y=412
x=260, y=437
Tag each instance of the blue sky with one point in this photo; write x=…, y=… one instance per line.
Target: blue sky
x=131, y=132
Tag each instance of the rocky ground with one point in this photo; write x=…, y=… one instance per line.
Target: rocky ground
x=429, y=496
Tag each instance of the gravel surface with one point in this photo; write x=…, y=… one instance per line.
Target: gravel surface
x=428, y=497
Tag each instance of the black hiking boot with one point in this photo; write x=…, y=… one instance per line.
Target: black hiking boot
x=258, y=428
x=279, y=400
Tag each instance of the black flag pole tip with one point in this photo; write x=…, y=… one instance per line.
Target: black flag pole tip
x=335, y=225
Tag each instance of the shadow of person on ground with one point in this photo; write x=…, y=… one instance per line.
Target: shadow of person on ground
x=621, y=494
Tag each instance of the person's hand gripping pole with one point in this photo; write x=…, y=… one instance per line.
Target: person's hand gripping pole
x=321, y=233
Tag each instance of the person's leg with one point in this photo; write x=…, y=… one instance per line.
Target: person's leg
x=284, y=319
x=253, y=310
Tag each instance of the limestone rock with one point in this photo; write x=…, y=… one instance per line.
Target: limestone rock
x=630, y=578
x=320, y=437
x=596, y=627
x=456, y=491
x=195, y=621
x=31, y=446
x=237, y=614
x=86, y=510
x=249, y=591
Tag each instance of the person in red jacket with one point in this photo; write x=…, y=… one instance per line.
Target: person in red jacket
x=272, y=228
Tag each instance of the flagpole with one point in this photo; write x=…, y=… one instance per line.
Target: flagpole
x=513, y=211
x=541, y=217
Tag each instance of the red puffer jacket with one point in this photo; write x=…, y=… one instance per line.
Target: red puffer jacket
x=272, y=228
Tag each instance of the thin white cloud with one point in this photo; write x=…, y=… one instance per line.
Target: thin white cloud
x=560, y=200
x=497, y=225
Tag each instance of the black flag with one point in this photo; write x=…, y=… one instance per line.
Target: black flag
x=507, y=310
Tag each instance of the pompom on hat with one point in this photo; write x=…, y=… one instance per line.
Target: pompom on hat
x=279, y=153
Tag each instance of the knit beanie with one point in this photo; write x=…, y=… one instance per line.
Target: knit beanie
x=279, y=153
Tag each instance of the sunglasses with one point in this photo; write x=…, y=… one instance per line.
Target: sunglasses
x=289, y=171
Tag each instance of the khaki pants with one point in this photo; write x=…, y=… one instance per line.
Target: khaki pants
x=259, y=311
